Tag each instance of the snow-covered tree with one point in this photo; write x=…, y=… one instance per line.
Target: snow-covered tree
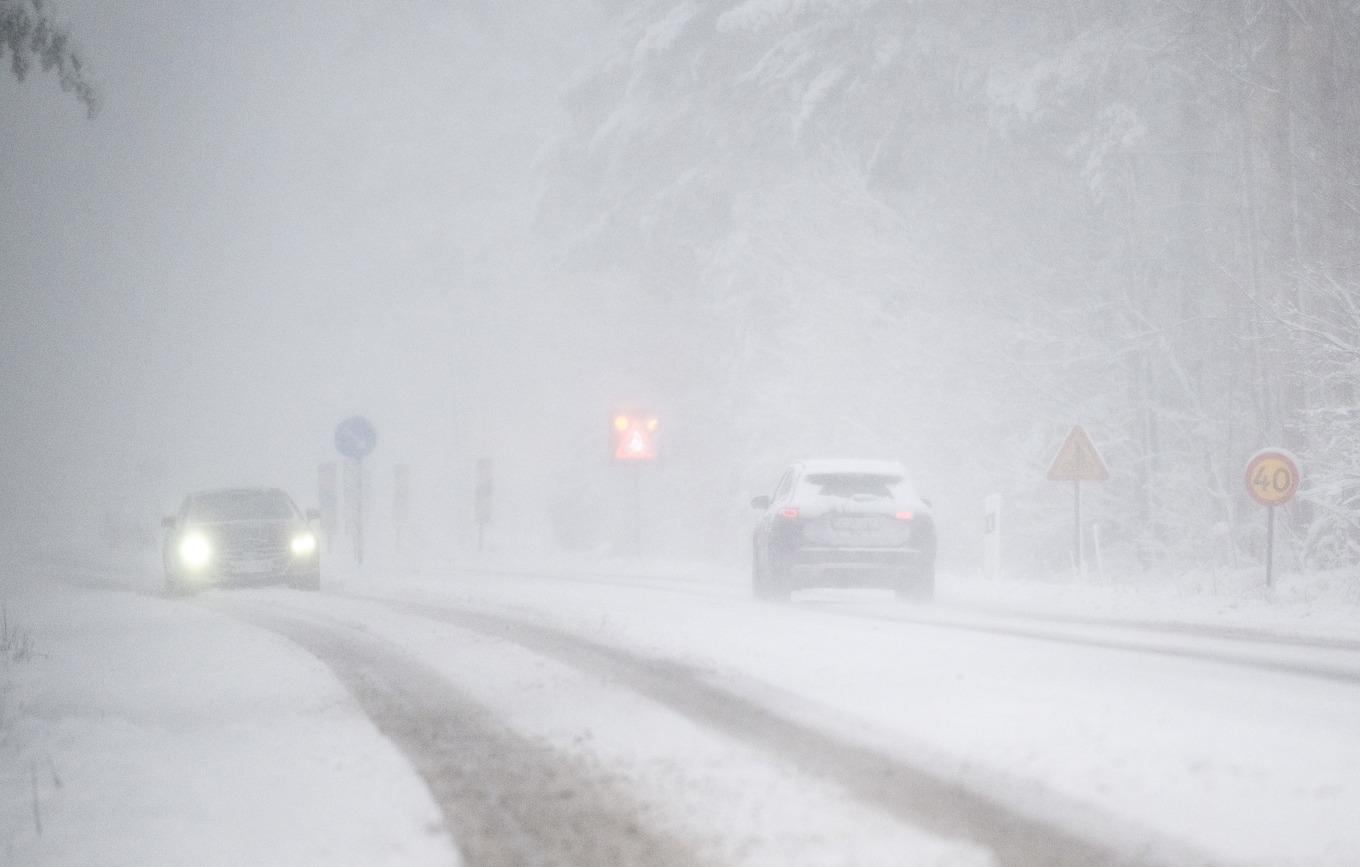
x=951, y=229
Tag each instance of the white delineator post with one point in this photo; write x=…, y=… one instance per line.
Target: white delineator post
x=991, y=536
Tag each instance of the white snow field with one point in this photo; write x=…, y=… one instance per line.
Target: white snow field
x=551, y=713
x=141, y=731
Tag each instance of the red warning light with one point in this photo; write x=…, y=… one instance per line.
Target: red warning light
x=635, y=437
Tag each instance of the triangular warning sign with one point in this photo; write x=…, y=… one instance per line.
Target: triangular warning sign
x=1078, y=460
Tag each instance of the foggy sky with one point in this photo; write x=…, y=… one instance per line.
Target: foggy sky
x=281, y=216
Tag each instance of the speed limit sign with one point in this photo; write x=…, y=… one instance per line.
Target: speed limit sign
x=1272, y=477
x=1272, y=480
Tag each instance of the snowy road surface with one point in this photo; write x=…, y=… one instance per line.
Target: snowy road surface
x=553, y=718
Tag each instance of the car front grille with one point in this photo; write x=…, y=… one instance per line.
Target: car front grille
x=254, y=548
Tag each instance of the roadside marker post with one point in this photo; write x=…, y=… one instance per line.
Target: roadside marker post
x=1078, y=461
x=1272, y=479
x=991, y=536
x=484, y=490
x=401, y=503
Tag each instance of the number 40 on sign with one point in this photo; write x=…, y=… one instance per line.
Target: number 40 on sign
x=1272, y=477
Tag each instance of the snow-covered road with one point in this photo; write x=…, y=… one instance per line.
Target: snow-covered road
x=564, y=717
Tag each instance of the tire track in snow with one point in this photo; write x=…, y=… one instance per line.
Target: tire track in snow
x=1130, y=641
x=907, y=793
x=507, y=800
x=1031, y=625
x=1246, y=634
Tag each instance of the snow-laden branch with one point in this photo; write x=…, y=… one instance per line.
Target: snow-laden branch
x=30, y=36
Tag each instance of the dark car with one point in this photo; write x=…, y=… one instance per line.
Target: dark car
x=840, y=523
x=240, y=536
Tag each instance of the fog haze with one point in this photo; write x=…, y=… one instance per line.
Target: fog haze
x=814, y=432
x=279, y=217
x=943, y=234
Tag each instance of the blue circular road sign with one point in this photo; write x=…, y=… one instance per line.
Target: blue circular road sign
x=355, y=437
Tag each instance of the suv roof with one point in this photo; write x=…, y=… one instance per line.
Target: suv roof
x=853, y=466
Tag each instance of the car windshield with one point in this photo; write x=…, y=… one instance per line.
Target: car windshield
x=853, y=484
x=243, y=505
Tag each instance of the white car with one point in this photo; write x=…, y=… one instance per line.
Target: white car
x=844, y=523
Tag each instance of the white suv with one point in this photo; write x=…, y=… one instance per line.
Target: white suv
x=844, y=523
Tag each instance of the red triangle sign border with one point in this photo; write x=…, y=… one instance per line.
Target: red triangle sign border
x=1078, y=460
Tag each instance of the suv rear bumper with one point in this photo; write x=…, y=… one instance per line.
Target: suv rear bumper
x=852, y=567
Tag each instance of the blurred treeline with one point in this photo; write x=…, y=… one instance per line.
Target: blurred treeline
x=947, y=230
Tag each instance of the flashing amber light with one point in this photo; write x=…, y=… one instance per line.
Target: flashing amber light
x=790, y=512
x=653, y=424
x=904, y=516
x=620, y=423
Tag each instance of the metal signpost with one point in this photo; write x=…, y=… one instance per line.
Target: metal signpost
x=401, y=501
x=355, y=438
x=1272, y=479
x=1078, y=461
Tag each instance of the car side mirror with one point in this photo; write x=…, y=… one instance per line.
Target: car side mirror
x=761, y=502
x=168, y=523
x=313, y=515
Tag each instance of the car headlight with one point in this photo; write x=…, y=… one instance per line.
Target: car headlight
x=195, y=551
x=303, y=544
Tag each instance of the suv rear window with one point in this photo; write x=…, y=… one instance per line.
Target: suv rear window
x=852, y=484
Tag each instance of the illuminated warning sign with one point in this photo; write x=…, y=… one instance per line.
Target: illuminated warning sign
x=635, y=437
x=1078, y=460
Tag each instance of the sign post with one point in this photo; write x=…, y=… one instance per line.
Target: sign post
x=1078, y=461
x=401, y=502
x=1272, y=479
x=355, y=438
